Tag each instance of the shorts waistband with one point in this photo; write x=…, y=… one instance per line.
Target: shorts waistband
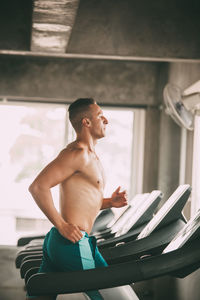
x=84, y=233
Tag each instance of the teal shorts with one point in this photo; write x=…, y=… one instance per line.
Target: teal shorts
x=61, y=255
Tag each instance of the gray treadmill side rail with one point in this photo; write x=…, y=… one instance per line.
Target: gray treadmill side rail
x=26, y=239
x=176, y=212
x=133, y=234
x=153, y=244
x=119, y=274
x=135, y=230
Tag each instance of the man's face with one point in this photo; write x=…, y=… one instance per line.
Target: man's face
x=98, y=121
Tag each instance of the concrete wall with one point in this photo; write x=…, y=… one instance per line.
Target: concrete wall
x=152, y=135
x=169, y=155
x=143, y=28
x=159, y=28
x=110, y=82
x=151, y=152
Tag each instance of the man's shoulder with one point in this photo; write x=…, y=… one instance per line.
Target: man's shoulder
x=74, y=148
x=75, y=152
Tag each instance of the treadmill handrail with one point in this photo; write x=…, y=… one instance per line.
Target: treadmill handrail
x=114, y=275
x=134, y=249
x=155, y=243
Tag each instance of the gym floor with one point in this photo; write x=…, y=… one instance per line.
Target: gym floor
x=11, y=284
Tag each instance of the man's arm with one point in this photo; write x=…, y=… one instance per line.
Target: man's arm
x=56, y=172
x=118, y=199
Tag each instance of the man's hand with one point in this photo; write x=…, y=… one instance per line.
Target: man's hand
x=119, y=199
x=70, y=232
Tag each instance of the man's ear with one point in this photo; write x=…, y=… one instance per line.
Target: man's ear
x=86, y=122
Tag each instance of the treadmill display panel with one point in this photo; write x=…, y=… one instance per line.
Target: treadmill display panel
x=185, y=234
x=136, y=202
x=164, y=210
x=141, y=212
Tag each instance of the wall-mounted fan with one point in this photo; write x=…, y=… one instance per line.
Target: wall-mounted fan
x=184, y=108
x=181, y=105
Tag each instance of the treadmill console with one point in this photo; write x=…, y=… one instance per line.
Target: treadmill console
x=188, y=232
x=142, y=213
x=133, y=205
x=169, y=211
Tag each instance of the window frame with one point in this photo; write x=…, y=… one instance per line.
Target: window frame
x=195, y=199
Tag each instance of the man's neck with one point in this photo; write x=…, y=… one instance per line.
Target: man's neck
x=87, y=140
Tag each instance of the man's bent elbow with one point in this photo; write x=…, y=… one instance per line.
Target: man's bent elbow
x=33, y=188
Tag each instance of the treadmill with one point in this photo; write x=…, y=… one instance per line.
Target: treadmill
x=117, y=224
x=170, y=215
x=170, y=211
x=165, y=224
x=135, y=217
x=179, y=259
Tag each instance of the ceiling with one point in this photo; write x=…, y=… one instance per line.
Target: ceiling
x=52, y=23
x=156, y=30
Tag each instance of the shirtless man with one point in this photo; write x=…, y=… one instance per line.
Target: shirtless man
x=79, y=172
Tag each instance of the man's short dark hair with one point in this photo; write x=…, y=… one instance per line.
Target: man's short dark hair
x=77, y=111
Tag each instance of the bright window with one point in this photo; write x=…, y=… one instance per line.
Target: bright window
x=31, y=136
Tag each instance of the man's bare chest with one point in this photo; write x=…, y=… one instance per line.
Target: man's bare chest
x=94, y=172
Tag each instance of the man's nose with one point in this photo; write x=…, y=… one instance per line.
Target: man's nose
x=105, y=120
